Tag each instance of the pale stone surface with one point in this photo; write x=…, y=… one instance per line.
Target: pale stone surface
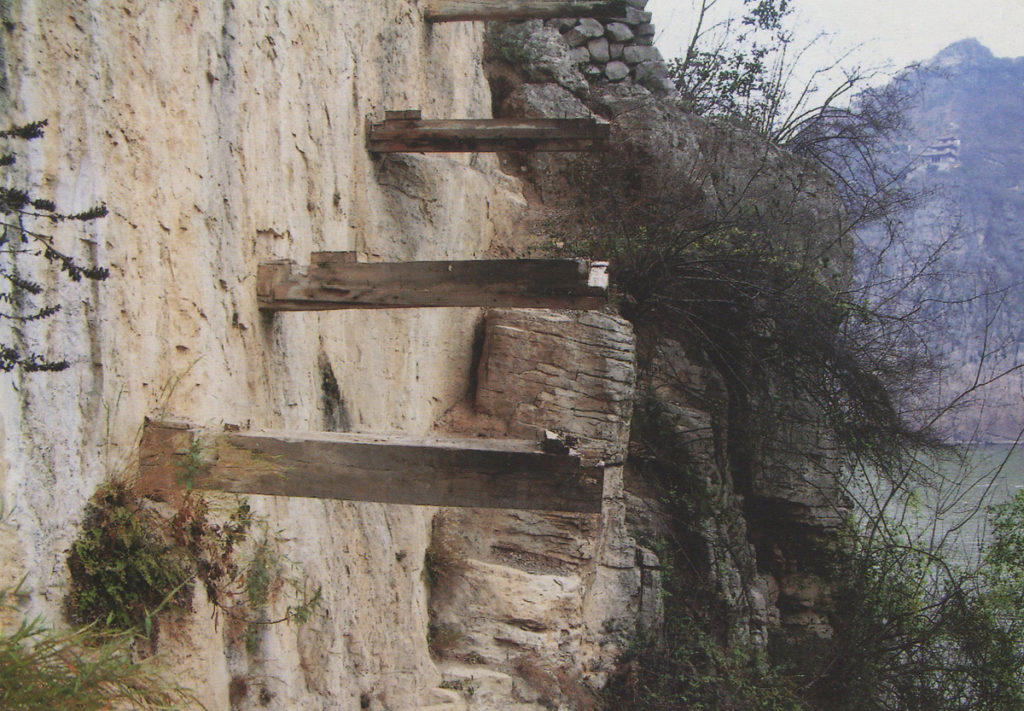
x=579, y=55
x=616, y=71
x=543, y=54
x=573, y=372
x=636, y=54
x=220, y=135
x=12, y=555
x=488, y=689
x=499, y=611
x=619, y=32
x=589, y=27
x=575, y=38
x=599, y=49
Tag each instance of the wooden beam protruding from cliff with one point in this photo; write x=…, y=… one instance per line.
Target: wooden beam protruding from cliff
x=485, y=473
x=461, y=10
x=407, y=132
x=335, y=280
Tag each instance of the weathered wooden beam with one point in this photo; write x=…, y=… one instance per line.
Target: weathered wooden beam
x=486, y=473
x=335, y=280
x=405, y=132
x=458, y=10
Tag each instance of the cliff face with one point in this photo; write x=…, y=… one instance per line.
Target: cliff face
x=220, y=135
x=223, y=136
x=748, y=506
x=962, y=145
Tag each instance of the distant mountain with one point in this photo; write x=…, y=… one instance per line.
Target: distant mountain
x=965, y=139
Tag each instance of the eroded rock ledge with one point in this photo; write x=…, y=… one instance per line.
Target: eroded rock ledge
x=536, y=607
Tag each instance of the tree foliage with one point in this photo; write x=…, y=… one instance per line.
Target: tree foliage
x=732, y=68
x=749, y=70
x=915, y=630
x=23, y=240
x=751, y=271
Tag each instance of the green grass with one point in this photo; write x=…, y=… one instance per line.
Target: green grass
x=80, y=670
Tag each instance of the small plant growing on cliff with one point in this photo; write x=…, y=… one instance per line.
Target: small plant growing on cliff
x=124, y=566
x=129, y=564
x=84, y=669
x=18, y=243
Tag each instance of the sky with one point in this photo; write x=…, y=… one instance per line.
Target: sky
x=895, y=32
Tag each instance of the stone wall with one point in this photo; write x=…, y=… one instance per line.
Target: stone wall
x=617, y=50
x=577, y=52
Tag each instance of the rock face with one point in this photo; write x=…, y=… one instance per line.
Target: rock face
x=567, y=371
x=550, y=599
x=220, y=135
x=757, y=519
x=224, y=135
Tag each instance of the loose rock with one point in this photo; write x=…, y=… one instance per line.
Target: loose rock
x=599, y=50
x=616, y=71
x=636, y=55
x=589, y=27
x=619, y=32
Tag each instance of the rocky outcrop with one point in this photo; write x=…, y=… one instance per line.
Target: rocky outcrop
x=548, y=599
x=753, y=521
x=223, y=136
x=560, y=371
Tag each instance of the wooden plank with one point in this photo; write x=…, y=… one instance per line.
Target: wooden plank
x=337, y=282
x=460, y=10
x=486, y=473
x=396, y=135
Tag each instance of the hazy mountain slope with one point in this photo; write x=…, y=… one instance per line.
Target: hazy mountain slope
x=965, y=139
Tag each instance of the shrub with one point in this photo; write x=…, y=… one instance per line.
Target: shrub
x=124, y=567
x=84, y=669
x=129, y=563
x=913, y=631
x=693, y=671
x=87, y=669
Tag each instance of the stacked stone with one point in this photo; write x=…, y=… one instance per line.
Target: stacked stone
x=621, y=48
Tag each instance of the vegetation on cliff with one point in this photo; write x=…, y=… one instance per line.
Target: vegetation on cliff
x=22, y=242
x=810, y=386
x=84, y=669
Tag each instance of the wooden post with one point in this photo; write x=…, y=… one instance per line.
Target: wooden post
x=406, y=132
x=458, y=10
x=335, y=281
x=486, y=473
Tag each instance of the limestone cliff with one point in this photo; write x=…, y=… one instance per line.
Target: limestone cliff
x=746, y=505
x=223, y=135
x=220, y=135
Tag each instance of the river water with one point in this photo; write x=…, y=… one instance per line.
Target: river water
x=956, y=506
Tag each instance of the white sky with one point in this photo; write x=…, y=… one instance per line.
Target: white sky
x=896, y=31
